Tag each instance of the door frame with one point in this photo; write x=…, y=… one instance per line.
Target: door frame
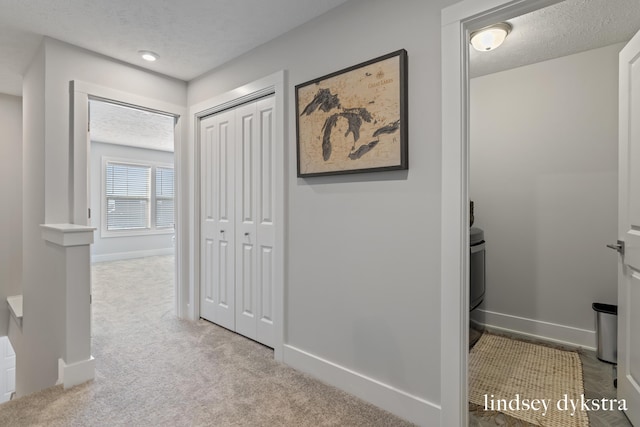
x=80, y=94
x=457, y=23
x=272, y=84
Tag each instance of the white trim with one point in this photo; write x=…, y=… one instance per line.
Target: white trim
x=67, y=234
x=457, y=21
x=76, y=373
x=140, y=232
x=272, y=84
x=15, y=308
x=538, y=329
x=454, y=280
x=127, y=98
x=401, y=403
x=133, y=145
x=80, y=143
x=116, y=256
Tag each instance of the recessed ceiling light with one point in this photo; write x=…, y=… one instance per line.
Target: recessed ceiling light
x=489, y=38
x=147, y=55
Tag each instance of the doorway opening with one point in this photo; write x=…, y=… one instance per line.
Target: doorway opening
x=542, y=143
x=132, y=194
x=132, y=206
x=458, y=109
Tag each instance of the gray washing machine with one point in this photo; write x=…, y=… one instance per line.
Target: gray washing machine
x=477, y=276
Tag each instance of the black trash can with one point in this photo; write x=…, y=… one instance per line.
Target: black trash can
x=606, y=332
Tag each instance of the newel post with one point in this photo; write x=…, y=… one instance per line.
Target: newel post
x=73, y=244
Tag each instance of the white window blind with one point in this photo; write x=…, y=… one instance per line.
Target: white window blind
x=164, y=197
x=128, y=194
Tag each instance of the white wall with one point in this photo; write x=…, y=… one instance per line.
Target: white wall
x=46, y=197
x=363, y=267
x=11, y=196
x=544, y=183
x=112, y=248
x=31, y=371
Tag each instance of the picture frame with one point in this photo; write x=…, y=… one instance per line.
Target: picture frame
x=354, y=120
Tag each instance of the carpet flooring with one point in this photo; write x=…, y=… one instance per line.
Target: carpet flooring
x=153, y=369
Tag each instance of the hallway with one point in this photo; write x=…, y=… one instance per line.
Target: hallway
x=155, y=370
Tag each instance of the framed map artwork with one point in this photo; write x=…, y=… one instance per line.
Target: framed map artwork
x=354, y=120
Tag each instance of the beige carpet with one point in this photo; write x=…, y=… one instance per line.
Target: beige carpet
x=155, y=370
x=516, y=378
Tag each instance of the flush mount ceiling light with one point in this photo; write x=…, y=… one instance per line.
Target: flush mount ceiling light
x=489, y=38
x=147, y=55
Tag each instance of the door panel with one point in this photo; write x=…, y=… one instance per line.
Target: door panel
x=629, y=230
x=266, y=285
x=267, y=163
x=246, y=226
x=267, y=222
x=217, y=219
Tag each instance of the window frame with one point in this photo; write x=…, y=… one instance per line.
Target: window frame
x=152, y=230
x=156, y=197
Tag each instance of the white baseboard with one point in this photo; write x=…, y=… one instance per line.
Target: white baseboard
x=130, y=255
x=76, y=373
x=398, y=402
x=561, y=334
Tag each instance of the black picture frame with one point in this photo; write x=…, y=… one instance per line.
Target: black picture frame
x=354, y=120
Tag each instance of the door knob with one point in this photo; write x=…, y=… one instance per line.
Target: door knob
x=246, y=234
x=618, y=247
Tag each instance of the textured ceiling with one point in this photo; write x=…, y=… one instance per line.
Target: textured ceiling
x=194, y=36
x=191, y=36
x=563, y=29
x=117, y=124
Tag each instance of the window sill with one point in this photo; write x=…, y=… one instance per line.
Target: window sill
x=105, y=234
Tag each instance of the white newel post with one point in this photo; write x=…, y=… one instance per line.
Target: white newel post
x=77, y=365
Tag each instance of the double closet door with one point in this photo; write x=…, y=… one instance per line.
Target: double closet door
x=237, y=224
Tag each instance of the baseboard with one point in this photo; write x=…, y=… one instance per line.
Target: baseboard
x=76, y=373
x=398, y=402
x=546, y=331
x=130, y=255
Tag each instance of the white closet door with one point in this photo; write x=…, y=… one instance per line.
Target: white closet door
x=238, y=224
x=255, y=194
x=217, y=252
x=246, y=237
x=266, y=220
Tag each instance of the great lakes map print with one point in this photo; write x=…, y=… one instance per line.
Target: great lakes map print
x=351, y=120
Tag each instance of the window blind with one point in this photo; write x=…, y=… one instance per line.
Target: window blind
x=128, y=193
x=164, y=197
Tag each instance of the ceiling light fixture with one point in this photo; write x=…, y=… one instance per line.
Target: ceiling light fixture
x=491, y=37
x=147, y=55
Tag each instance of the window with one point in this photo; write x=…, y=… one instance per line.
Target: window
x=128, y=196
x=138, y=198
x=164, y=197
